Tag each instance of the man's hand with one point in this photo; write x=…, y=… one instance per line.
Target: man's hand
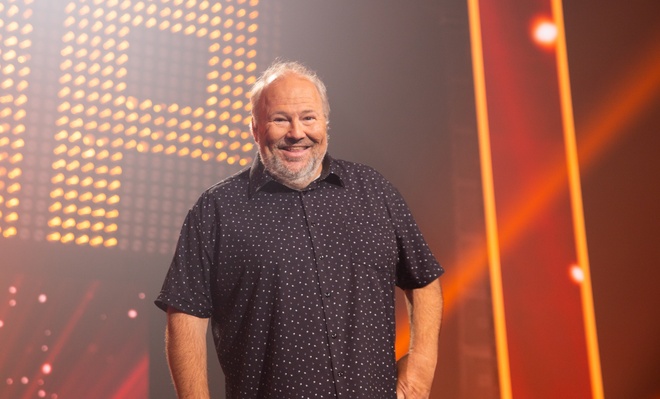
x=415, y=376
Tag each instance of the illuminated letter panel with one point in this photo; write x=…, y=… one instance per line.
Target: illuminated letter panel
x=99, y=120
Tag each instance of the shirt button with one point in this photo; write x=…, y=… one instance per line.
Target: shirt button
x=340, y=374
x=327, y=294
x=334, y=335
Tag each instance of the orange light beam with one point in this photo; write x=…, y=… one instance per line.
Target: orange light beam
x=492, y=240
x=601, y=131
x=628, y=99
x=575, y=192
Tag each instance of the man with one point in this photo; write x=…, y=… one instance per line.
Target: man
x=295, y=260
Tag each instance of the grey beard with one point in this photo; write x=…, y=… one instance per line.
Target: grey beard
x=281, y=173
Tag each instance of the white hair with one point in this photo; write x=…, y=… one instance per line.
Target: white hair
x=282, y=68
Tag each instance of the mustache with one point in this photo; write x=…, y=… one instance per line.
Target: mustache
x=287, y=142
x=303, y=141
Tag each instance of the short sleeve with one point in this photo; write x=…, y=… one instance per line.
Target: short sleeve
x=417, y=266
x=187, y=284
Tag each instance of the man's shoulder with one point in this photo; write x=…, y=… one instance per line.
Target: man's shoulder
x=358, y=173
x=232, y=185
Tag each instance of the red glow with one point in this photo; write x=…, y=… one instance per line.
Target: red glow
x=577, y=274
x=46, y=368
x=43, y=298
x=544, y=32
x=517, y=150
x=132, y=313
x=136, y=383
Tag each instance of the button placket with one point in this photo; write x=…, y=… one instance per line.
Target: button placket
x=319, y=259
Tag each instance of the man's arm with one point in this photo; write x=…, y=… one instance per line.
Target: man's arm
x=185, y=344
x=417, y=368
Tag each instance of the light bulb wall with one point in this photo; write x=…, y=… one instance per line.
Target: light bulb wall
x=15, y=46
x=139, y=85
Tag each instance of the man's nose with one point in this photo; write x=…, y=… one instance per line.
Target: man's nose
x=296, y=130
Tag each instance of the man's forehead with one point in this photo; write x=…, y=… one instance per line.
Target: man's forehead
x=291, y=88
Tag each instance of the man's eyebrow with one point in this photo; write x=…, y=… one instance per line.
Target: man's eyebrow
x=287, y=114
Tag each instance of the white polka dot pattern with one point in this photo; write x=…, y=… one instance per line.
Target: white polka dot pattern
x=300, y=284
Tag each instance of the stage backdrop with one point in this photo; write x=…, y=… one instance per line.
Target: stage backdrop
x=116, y=114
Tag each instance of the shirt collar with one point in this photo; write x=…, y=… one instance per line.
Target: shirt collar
x=260, y=178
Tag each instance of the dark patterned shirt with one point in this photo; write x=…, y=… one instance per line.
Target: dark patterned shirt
x=299, y=285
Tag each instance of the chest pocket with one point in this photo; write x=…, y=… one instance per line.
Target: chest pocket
x=373, y=240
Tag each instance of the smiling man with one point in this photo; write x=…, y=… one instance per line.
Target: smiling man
x=295, y=260
x=290, y=127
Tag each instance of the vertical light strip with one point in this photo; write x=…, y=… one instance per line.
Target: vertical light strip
x=576, y=203
x=16, y=38
x=489, y=200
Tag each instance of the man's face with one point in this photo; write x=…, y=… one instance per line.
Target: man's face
x=291, y=130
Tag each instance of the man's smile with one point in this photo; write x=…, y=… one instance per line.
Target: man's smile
x=295, y=150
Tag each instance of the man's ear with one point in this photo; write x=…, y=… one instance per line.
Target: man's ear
x=253, y=130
